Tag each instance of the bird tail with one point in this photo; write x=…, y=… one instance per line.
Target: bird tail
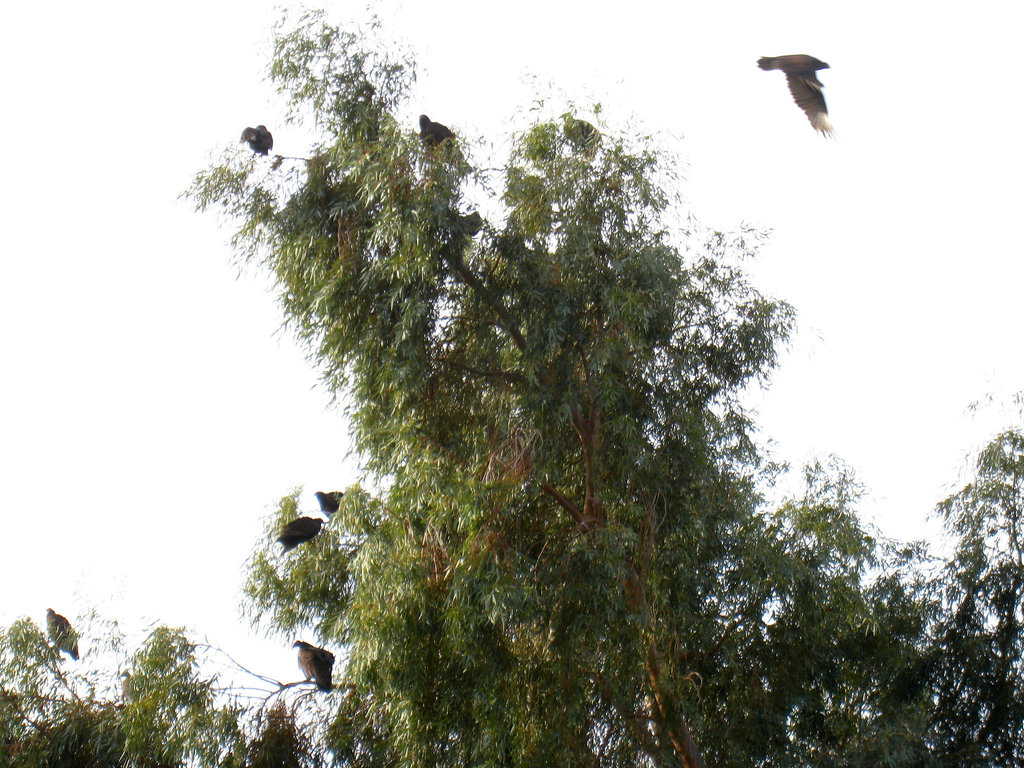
x=823, y=125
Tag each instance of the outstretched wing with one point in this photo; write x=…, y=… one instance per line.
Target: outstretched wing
x=807, y=94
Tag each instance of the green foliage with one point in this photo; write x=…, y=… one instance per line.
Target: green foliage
x=842, y=642
x=56, y=712
x=302, y=591
x=564, y=557
x=980, y=672
x=280, y=741
x=171, y=711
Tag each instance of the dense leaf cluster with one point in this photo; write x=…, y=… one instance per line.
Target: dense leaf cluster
x=167, y=707
x=159, y=712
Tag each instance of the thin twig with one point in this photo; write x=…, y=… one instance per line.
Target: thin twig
x=239, y=666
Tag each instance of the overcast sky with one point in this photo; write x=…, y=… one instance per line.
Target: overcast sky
x=151, y=412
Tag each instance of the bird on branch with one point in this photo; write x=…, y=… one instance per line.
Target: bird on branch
x=316, y=664
x=433, y=133
x=63, y=636
x=259, y=139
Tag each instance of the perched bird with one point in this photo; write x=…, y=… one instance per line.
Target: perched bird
x=582, y=134
x=61, y=633
x=298, y=531
x=316, y=664
x=128, y=687
x=434, y=133
x=329, y=501
x=804, y=85
x=472, y=223
x=259, y=139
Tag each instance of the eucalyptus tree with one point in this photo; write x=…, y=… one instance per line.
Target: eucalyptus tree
x=560, y=556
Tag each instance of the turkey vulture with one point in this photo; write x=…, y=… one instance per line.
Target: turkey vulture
x=329, y=501
x=804, y=85
x=61, y=633
x=316, y=664
x=433, y=133
x=581, y=133
x=472, y=223
x=298, y=531
x=259, y=139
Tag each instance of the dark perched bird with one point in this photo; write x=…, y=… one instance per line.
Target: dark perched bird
x=582, y=134
x=804, y=85
x=259, y=139
x=316, y=664
x=472, y=223
x=329, y=501
x=61, y=633
x=434, y=133
x=298, y=531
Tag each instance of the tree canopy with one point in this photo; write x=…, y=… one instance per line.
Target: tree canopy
x=563, y=553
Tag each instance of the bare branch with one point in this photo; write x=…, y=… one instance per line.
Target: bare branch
x=239, y=666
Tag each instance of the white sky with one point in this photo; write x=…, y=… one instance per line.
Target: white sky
x=150, y=413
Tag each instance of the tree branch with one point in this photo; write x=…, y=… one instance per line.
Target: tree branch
x=510, y=377
x=238, y=665
x=15, y=702
x=506, y=323
x=675, y=725
x=588, y=429
x=582, y=520
x=736, y=621
x=672, y=720
x=633, y=720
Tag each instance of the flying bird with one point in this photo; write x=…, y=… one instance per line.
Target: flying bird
x=298, y=531
x=259, y=139
x=804, y=85
x=316, y=664
x=61, y=633
x=434, y=133
x=329, y=501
